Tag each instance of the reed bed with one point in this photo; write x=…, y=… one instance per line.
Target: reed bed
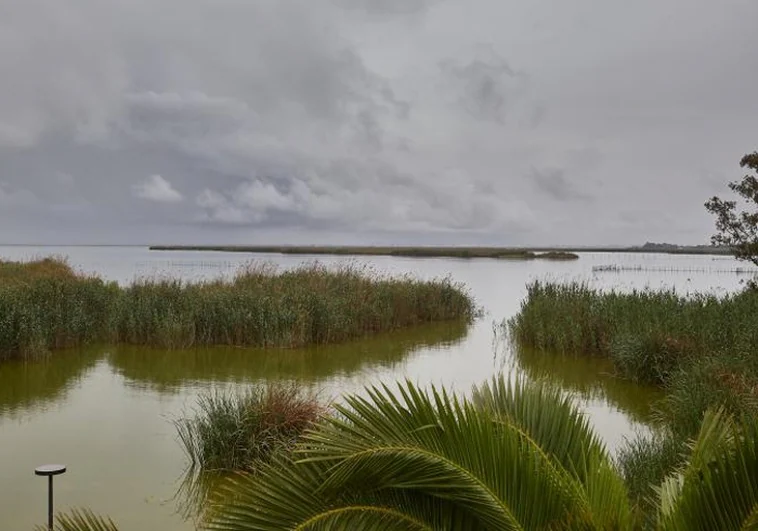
x=701, y=350
x=647, y=334
x=45, y=305
x=512, y=253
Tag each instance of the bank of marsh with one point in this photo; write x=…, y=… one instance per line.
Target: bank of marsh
x=509, y=253
x=701, y=350
x=45, y=305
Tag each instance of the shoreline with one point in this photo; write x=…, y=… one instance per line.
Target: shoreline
x=502, y=253
x=513, y=253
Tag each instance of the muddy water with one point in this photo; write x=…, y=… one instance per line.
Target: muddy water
x=106, y=411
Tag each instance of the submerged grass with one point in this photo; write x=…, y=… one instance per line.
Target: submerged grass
x=45, y=305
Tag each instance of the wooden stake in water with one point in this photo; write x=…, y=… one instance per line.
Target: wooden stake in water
x=49, y=471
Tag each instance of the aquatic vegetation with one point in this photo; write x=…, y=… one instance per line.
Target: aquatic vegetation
x=229, y=432
x=53, y=307
x=649, y=335
x=240, y=431
x=513, y=253
x=516, y=455
x=45, y=305
x=701, y=350
x=644, y=463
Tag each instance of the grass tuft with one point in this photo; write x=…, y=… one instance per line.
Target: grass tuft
x=644, y=462
x=239, y=431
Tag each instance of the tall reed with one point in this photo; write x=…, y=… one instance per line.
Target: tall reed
x=702, y=350
x=45, y=305
x=647, y=334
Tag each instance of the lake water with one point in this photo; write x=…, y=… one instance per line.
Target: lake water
x=106, y=412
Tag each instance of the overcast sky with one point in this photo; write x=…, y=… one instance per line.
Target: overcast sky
x=372, y=121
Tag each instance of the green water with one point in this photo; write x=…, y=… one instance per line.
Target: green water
x=106, y=412
x=591, y=380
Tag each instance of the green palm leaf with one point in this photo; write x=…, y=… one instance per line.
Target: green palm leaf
x=547, y=415
x=718, y=489
x=81, y=520
x=555, y=424
x=424, y=460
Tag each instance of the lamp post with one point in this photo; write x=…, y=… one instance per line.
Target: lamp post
x=49, y=471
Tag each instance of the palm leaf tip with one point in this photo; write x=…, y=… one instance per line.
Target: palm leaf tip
x=81, y=520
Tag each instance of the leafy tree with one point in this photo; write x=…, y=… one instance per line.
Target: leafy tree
x=738, y=228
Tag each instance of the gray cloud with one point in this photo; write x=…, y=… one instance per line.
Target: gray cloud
x=484, y=84
x=388, y=7
x=423, y=121
x=156, y=188
x=553, y=183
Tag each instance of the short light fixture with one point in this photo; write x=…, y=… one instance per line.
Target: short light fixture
x=49, y=471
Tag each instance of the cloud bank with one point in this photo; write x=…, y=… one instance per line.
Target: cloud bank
x=424, y=121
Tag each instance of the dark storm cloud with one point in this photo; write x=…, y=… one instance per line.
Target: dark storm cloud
x=387, y=7
x=553, y=183
x=481, y=121
x=485, y=84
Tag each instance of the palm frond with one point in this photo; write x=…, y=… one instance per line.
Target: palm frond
x=427, y=460
x=559, y=428
x=546, y=414
x=719, y=489
x=81, y=520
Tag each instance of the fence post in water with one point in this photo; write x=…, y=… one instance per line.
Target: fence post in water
x=49, y=471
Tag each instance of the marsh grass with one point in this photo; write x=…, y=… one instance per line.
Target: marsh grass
x=239, y=431
x=512, y=253
x=231, y=432
x=701, y=350
x=644, y=462
x=45, y=305
x=649, y=335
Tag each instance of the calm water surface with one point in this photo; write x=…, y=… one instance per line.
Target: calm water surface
x=106, y=411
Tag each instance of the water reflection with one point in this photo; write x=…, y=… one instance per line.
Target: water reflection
x=592, y=379
x=168, y=371
x=31, y=387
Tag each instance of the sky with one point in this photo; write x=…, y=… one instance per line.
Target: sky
x=497, y=122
